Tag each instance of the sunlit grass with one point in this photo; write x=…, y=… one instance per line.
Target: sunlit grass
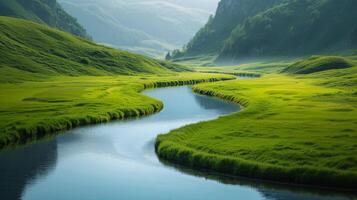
x=30, y=110
x=293, y=128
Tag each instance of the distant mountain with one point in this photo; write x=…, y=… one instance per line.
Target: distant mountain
x=42, y=11
x=151, y=27
x=30, y=50
x=246, y=29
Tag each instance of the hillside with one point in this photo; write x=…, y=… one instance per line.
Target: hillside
x=42, y=11
x=31, y=50
x=318, y=64
x=299, y=27
x=150, y=27
x=245, y=29
x=210, y=39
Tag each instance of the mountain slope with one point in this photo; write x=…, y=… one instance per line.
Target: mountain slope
x=151, y=27
x=298, y=27
x=42, y=11
x=210, y=39
x=28, y=50
x=243, y=29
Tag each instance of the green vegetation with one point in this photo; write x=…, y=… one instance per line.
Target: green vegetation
x=298, y=123
x=294, y=28
x=51, y=81
x=30, y=110
x=319, y=63
x=31, y=50
x=42, y=11
x=297, y=128
x=210, y=39
x=246, y=30
x=257, y=67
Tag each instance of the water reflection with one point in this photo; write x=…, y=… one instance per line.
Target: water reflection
x=24, y=165
x=209, y=105
x=269, y=190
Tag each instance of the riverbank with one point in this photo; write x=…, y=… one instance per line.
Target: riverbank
x=293, y=128
x=32, y=110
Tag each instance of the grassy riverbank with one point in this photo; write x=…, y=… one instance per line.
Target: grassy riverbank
x=30, y=110
x=293, y=128
x=51, y=81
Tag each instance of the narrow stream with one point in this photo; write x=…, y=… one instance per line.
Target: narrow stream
x=117, y=161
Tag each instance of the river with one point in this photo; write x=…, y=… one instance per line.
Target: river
x=117, y=161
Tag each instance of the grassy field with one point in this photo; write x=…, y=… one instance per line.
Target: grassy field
x=293, y=128
x=30, y=110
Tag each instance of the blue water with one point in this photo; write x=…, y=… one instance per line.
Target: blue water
x=117, y=161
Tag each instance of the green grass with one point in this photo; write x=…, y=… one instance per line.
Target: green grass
x=319, y=63
x=204, y=60
x=293, y=128
x=47, y=12
x=253, y=67
x=28, y=49
x=51, y=81
x=31, y=110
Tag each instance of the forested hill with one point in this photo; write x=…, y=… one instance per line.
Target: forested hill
x=299, y=27
x=276, y=28
x=210, y=39
x=42, y=11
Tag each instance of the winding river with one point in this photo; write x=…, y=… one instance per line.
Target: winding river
x=117, y=161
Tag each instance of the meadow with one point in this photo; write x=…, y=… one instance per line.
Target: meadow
x=51, y=81
x=294, y=127
x=33, y=109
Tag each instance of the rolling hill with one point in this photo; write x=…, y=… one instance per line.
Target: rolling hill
x=31, y=50
x=42, y=11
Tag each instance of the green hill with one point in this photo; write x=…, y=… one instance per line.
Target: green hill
x=259, y=29
x=30, y=50
x=298, y=27
x=210, y=39
x=42, y=11
x=319, y=64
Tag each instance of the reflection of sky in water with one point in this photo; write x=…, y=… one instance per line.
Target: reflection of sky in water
x=117, y=161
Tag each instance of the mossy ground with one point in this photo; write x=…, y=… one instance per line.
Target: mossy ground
x=29, y=110
x=293, y=128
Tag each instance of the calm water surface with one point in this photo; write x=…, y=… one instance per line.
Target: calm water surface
x=117, y=161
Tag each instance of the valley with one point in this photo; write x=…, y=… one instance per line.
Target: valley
x=260, y=103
